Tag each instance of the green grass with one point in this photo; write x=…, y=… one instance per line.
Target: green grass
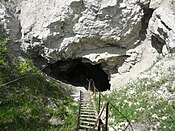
x=25, y=105
x=29, y=103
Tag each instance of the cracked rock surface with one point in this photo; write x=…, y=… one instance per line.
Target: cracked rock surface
x=106, y=32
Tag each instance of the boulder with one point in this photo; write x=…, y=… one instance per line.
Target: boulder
x=60, y=29
x=162, y=24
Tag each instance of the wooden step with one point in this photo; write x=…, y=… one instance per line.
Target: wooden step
x=92, y=111
x=85, y=126
x=87, y=122
x=87, y=107
x=87, y=119
x=83, y=115
x=82, y=130
x=89, y=113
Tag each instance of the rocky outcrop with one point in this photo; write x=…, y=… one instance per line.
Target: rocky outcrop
x=9, y=25
x=107, y=32
x=80, y=28
x=162, y=26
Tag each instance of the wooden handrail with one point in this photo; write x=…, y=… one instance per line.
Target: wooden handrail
x=107, y=115
x=78, y=124
x=99, y=115
x=91, y=87
x=99, y=102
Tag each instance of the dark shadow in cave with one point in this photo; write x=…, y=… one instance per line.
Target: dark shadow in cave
x=157, y=43
x=76, y=72
x=144, y=21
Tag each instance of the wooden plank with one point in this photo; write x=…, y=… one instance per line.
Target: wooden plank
x=87, y=119
x=87, y=122
x=93, y=113
x=87, y=107
x=85, y=126
x=83, y=115
x=82, y=130
x=84, y=110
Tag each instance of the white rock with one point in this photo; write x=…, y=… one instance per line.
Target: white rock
x=162, y=23
x=75, y=25
x=154, y=4
x=165, y=50
x=55, y=121
x=104, y=32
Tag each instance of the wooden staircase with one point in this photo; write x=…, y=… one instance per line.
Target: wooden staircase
x=88, y=117
x=87, y=113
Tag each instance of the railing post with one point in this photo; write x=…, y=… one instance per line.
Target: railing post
x=89, y=86
x=94, y=92
x=99, y=101
x=107, y=115
x=78, y=124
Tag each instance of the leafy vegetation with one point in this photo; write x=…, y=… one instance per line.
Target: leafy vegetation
x=3, y=51
x=29, y=100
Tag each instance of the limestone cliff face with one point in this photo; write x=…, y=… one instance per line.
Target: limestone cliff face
x=109, y=32
x=162, y=23
x=9, y=25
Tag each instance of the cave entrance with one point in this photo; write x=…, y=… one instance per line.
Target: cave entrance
x=76, y=72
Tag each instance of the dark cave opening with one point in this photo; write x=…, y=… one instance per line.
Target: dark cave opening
x=157, y=43
x=77, y=73
x=145, y=20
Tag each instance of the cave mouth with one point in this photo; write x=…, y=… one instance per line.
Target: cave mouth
x=77, y=73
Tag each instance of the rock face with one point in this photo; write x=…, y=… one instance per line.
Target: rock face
x=162, y=24
x=9, y=25
x=98, y=31
x=106, y=32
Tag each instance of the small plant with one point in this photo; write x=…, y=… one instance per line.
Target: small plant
x=29, y=103
x=3, y=51
x=141, y=104
x=27, y=67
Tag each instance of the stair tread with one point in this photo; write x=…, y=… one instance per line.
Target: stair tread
x=87, y=106
x=82, y=130
x=87, y=122
x=82, y=107
x=83, y=115
x=88, y=113
x=85, y=126
x=88, y=119
x=92, y=111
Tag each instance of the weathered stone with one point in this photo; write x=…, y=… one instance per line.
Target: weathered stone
x=54, y=121
x=9, y=25
x=60, y=30
x=106, y=32
x=154, y=4
x=162, y=24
